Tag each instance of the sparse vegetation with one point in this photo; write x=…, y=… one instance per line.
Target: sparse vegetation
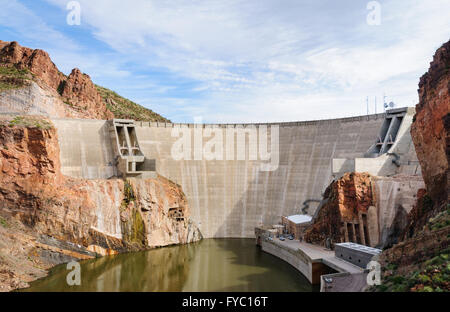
x=12, y=71
x=128, y=192
x=26, y=122
x=440, y=221
x=133, y=228
x=126, y=109
x=3, y=222
x=433, y=275
x=13, y=78
x=427, y=203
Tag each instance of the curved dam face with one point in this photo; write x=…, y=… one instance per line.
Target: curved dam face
x=228, y=198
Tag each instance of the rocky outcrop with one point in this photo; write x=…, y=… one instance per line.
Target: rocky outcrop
x=347, y=199
x=31, y=99
x=31, y=74
x=37, y=61
x=431, y=127
x=76, y=91
x=76, y=217
x=80, y=91
x=420, y=262
x=430, y=132
x=365, y=209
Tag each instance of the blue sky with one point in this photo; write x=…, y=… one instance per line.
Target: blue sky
x=240, y=60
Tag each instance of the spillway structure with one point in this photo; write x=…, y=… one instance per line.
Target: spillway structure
x=229, y=196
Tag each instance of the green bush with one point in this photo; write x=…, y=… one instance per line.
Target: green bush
x=438, y=279
x=30, y=122
x=400, y=288
x=391, y=267
x=427, y=289
x=3, y=222
x=382, y=288
x=128, y=192
x=423, y=278
x=397, y=279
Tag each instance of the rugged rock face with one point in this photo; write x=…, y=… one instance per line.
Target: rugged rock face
x=421, y=261
x=32, y=99
x=76, y=90
x=365, y=209
x=73, y=96
x=80, y=92
x=80, y=218
x=346, y=200
x=37, y=61
x=431, y=128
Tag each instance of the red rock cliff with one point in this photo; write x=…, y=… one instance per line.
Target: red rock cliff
x=347, y=198
x=77, y=90
x=431, y=128
x=43, y=211
x=423, y=255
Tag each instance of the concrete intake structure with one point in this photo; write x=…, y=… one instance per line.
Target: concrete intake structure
x=228, y=198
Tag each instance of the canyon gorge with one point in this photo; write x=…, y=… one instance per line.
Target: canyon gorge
x=63, y=196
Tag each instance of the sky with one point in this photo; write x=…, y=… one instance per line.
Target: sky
x=241, y=60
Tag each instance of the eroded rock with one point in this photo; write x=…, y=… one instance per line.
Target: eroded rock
x=83, y=217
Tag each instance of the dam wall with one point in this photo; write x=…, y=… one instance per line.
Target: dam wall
x=228, y=198
x=85, y=148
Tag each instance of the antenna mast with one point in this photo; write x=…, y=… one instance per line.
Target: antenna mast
x=375, y=104
x=367, y=104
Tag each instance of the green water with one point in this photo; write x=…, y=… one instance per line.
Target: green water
x=210, y=265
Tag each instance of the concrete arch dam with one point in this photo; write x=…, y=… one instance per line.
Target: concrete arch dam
x=228, y=198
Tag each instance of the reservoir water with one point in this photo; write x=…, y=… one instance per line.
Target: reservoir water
x=209, y=265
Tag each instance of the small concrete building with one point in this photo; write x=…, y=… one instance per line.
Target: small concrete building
x=357, y=254
x=296, y=224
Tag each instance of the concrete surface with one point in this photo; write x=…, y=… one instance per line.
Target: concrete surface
x=311, y=260
x=85, y=148
x=228, y=198
x=400, y=149
x=344, y=282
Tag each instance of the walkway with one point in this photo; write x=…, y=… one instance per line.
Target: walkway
x=320, y=254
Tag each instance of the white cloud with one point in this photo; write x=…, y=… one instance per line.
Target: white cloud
x=17, y=17
x=268, y=60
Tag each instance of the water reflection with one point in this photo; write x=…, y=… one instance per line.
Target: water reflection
x=210, y=265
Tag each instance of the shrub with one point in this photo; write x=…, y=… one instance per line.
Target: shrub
x=3, y=222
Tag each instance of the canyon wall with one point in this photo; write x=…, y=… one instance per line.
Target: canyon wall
x=227, y=197
x=421, y=259
x=65, y=218
x=431, y=127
